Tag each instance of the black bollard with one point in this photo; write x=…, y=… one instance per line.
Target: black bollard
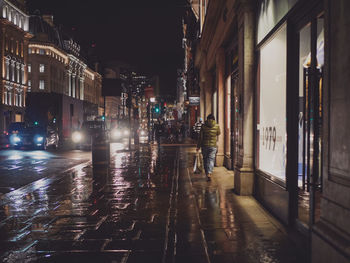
x=100, y=150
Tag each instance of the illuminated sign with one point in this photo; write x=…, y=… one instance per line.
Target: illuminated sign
x=194, y=101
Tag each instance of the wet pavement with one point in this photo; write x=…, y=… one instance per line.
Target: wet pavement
x=147, y=207
x=21, y=167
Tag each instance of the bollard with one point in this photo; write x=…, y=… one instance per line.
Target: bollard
x=100, y=150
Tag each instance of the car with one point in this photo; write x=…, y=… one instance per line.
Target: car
x=119, y=133
x=16, y=134
x=83, y=138
x=50, y=137
x=33, y=137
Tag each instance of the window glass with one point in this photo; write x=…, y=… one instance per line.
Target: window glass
x=29, y=85
x=272, y=106
x=29, y=68
x=41, y=68
x=41, y=84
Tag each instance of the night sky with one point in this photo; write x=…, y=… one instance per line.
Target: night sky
x=146, y=33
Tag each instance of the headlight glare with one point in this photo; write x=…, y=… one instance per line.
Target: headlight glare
x=116, y=134
x=77, y=137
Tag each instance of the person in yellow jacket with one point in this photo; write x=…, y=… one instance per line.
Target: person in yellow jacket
x=207, y=140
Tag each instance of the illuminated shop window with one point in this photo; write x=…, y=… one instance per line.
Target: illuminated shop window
x=271, y=128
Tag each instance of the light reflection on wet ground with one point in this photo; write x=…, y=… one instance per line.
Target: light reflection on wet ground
x=21, y=167
x=147, y=207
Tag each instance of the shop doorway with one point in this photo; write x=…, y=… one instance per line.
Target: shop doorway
x=311, y=61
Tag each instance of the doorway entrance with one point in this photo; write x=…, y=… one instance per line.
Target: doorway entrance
x=311, y=61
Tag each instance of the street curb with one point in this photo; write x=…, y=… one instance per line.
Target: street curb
x=6, y=198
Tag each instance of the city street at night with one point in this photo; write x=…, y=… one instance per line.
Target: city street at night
x=175, y=131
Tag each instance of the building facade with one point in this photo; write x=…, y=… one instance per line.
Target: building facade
x=14, y=26
x=56, y=67
x=274, y=75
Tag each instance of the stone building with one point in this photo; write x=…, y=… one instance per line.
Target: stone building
x=55, y=66
x=14, y=25
x=274, y=74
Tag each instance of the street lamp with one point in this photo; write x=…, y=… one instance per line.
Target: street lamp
x=150, y=120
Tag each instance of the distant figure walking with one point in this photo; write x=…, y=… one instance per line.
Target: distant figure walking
x=208, y=142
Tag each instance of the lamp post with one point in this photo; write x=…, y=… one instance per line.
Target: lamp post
x=151, y=100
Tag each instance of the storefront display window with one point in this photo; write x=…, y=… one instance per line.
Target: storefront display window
x=271, y=125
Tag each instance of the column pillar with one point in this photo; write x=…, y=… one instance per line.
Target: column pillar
x=202, y=100
x=81, y=88
x=244, y=167
x=220, y=72
x=208, y=93
x=69, y=84
x=73, y=85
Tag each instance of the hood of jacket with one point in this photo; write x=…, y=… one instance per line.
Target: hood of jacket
x=210, y=123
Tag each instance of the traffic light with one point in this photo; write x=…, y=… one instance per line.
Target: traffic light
x=36, y=123
x=156, y=108
x=103, y=117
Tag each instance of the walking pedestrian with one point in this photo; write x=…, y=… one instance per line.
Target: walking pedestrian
x=208, y=142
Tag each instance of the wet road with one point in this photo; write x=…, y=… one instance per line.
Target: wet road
x=148, y=207
x=21, y=167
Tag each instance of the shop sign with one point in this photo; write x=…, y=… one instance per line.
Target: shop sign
x=194, y=101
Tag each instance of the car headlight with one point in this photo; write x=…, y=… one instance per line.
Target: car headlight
x=15, y=139
x=126, y=132
x=39, y=139
x=77, y=137
x=116, y=134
